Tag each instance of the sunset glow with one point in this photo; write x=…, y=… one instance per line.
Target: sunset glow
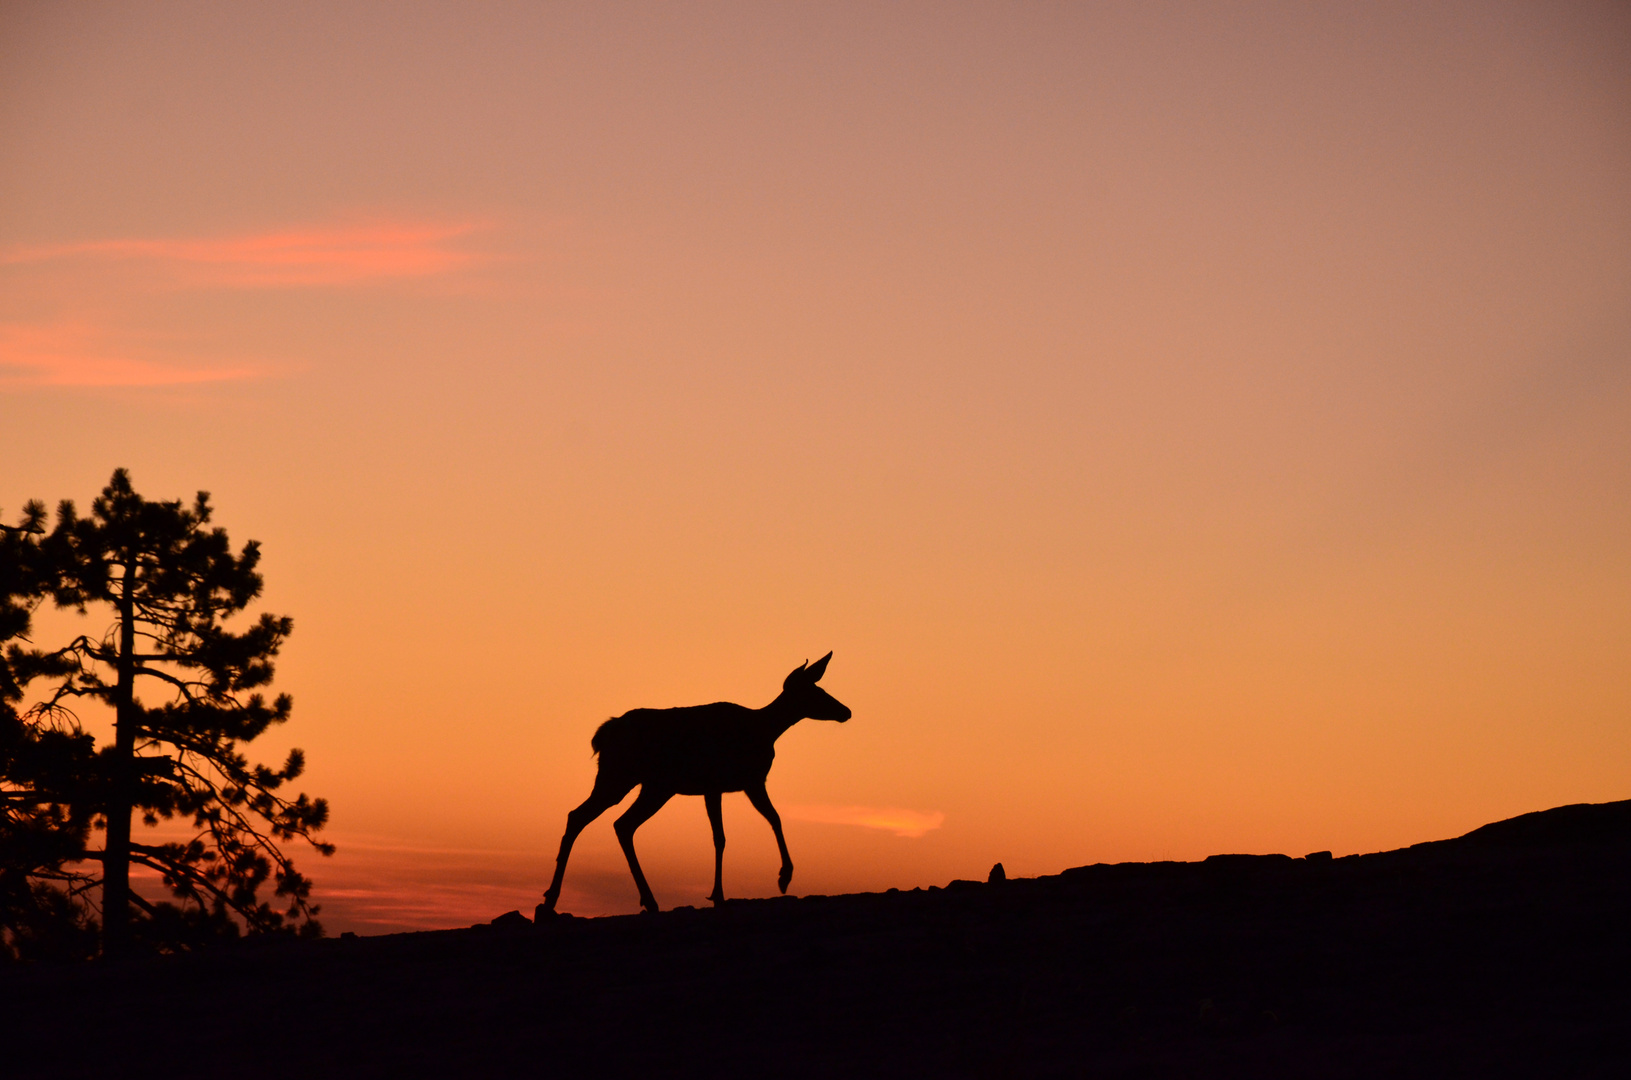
x=1193, y=428
x=907, y=823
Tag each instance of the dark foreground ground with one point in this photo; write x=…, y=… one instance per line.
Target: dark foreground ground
x=1506, y=952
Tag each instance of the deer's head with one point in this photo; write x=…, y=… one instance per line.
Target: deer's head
x=799, y=690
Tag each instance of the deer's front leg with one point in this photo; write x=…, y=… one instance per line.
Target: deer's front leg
x=761, y=802
x=717, y=820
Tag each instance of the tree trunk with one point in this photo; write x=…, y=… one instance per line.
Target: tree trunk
x=121, y=800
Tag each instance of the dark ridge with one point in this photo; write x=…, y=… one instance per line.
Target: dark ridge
x=1505, y=952
x=1579, y=823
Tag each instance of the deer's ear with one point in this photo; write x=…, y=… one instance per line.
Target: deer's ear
x=819, y=668
x=797, y=675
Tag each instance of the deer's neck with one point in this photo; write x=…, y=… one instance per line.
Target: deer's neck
x=778, y=716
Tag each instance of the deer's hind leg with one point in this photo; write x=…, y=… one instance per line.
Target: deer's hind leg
x=717, y=820
x=649, y=801
x=608, y=792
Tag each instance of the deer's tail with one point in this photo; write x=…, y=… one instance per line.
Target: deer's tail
x=604, y=734
x=625, y=737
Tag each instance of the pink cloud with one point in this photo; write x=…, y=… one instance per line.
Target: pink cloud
x=909, y=823
x=323, y=256
x=73, y=354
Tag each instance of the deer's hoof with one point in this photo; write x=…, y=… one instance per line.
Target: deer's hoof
x=783, y=879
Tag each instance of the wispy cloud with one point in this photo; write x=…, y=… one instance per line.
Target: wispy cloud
x=78, y=354
x=385, y=884
x=337, y=255
x=379, y=884
x=912, y=823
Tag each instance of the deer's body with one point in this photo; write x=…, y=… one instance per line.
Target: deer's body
x=695, y=750
x=702, y=750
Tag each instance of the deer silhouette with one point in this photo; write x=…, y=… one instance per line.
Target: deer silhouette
x=702, y=750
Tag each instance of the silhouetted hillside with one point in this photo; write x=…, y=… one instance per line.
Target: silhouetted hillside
x=1582, y=823
x=1506, y=952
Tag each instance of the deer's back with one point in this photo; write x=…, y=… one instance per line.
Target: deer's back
x=692, y=750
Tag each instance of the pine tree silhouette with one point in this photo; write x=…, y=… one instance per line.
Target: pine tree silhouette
x=185, y=692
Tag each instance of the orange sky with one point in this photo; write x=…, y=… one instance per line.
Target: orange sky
x=1192, y=428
